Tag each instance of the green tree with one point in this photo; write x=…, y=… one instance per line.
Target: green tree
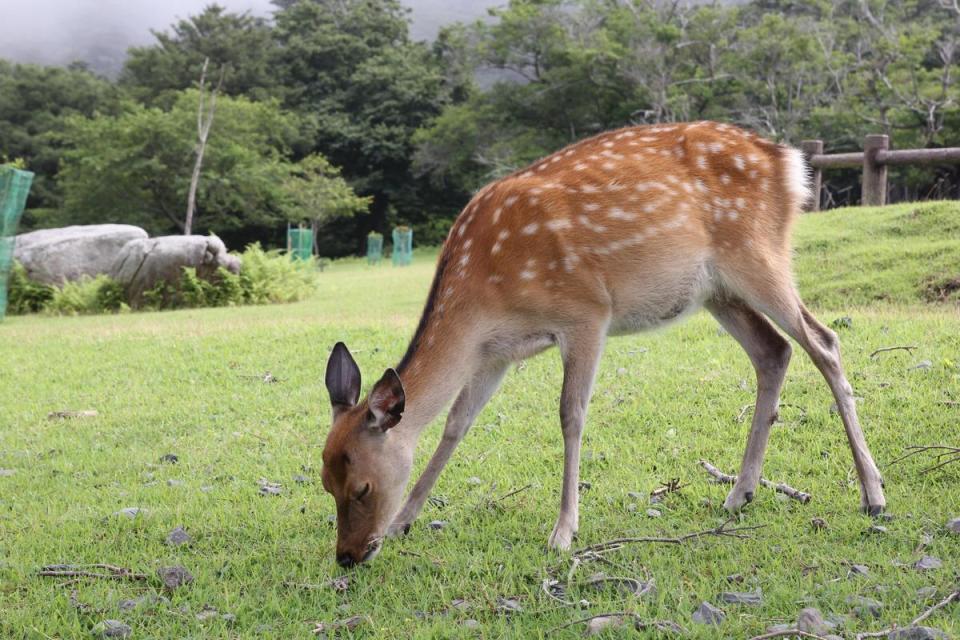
x=238, y=42
x=315, y=192
x=35, y=103
x=135, y=167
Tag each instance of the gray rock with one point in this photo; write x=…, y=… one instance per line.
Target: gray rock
x=927, y=563
x=6, y=473
x=437, y=524
x=301, y=479
x=706, y=613
x=922, y=365
x=144, y=263
x=56, y=256
x=470, y=624
x=598, y=625
x=632, y=507
x=954, y=526
x=859, y=570
x=173, y=482
x=148, y=601
x=229, y=618
x=178, y=537
x=653, y=513
x=170, y=458
x=206, y=613
x=876, y=529
x=174, y=577
x=112, y=629
x=131, y=512
x=917, y=633
x=818, y=524
x=811, y=620
x=865, y=607
x=474, y=480
x=753, y=598
x=634, y=494
x=509, y=605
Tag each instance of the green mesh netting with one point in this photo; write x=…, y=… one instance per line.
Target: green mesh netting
x=402, y=246
x=14, y=187
x=301, y=243
x=374, y=248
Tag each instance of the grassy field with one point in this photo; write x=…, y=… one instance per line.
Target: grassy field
x=191, y=383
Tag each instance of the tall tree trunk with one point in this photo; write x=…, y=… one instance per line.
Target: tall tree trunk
x=203, y=133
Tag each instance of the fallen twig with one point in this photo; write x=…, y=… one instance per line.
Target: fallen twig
x=618, y=543
x=63, y=415
x=953, y=597
x=510, y=493
x=785, y=489
x=952, y=454
x=793, y=633
x=908, y=349
x=670, y=486
x=639, y=623
x=80, y=571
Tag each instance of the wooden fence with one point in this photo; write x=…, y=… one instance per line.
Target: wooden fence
x=875, y=158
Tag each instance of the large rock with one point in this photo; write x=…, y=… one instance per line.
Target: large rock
x=55, y=256
x=141, y=264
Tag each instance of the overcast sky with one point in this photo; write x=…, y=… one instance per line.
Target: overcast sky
x=99, y=31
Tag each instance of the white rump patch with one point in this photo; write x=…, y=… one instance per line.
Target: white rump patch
x=796, y=176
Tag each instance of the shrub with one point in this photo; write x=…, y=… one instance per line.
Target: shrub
x=272, y=277
x=25, y=295
x=87, y=295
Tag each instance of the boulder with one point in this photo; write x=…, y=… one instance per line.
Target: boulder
x=56, y=256
x=143, y=263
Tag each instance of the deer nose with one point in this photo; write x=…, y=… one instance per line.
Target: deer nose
x=345, y=560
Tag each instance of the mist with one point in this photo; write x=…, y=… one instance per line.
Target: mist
x=99, y=32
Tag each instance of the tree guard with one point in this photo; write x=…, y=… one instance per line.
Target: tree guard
x=374, y=247
x=402, y=246
x=14, y=187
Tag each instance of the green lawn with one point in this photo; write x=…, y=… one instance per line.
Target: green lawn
x=190, y=383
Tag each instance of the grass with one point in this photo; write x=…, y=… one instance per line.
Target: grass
x=190, y=383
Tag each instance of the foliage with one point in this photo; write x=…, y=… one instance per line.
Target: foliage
x=134, y=167
x=35, y=103
x=271, y=277
x=25, y=295
x=86, y=296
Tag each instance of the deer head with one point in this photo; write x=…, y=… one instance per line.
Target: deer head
x=365, y=465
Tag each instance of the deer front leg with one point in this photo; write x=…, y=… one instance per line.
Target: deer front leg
x=468, y=404
x=581, y=353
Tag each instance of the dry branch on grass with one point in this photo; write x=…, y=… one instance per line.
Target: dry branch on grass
x=944, y=455
x=788, y=633
x=785, y=489
x=618, y=543
x=953, y=597
x=667, y=626
x=908, y=349
x=77, y=571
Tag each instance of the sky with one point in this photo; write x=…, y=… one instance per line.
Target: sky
x=99, y=31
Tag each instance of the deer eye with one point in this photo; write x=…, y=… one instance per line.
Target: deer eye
x=363, y=492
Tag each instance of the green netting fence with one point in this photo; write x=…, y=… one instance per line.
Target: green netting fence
x=374, y=248
x=402, y=246
x=300, y=242
x=14, y=187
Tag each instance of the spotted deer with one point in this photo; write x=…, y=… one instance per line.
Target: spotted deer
x=619, y=233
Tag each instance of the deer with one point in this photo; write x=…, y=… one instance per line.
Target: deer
x=627, y=231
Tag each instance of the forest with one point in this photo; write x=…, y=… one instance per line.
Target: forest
x=329, y=113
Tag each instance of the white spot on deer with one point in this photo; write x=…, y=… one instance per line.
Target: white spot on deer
x=738, y=162
x=753, y=158
x=615, y=187
x=495, y=249
x=716, y=147
x=724, y=178
x=542, y=167
x=512, y=200
x=609, y=166
x=579, y=166
x=495, y=279
x=530, y=229
x=589, y=188
x=702, y=162
x=526, y=174
x=608, y=144
x=679, y=152
x=648, y=139
x=503, y=235
x=555, y=159
x=496, y=215
x=732, y=215
x=467, y=243
x=740, y=203
x=700, y=185
x=534, y=200
x=688, y=187
x=558, y=224
x=527, y=274
x=590, y=206
x=552, y=265
x=568, y=153
x=619, y=214
x=650, y=207
x=570, y=262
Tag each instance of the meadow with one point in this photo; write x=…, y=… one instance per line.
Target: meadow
x=237, y=396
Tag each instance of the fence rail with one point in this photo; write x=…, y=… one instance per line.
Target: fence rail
x=875, y=158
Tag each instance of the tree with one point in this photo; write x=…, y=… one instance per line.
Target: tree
x=238, y=42
x=35, y=103
x=316, y=192
x=130, y=168
x=205, y=115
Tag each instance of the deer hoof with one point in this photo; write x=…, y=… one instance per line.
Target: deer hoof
x=561, y=539
x=736, y=501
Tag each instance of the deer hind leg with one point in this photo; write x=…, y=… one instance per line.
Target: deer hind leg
x=468, y=404
x=770, y=354
x=783, y=305
x=580, y=351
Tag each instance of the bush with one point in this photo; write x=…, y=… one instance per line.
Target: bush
x=266, y=277
x=25, y=295
x=87, y=295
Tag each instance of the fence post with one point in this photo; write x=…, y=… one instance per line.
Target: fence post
x=874, y=173
x=812, y=148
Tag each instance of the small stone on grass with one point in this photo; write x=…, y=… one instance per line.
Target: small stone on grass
x=954, y=526
x=653, y=513
x=112, y=629
x=131, y=512
x=706, y=613
x=174, y=577
x=509, y=605
x=742, y=597
x=178, y=537
x=927, y=563
x=865, y=607
x=170, y=458
x=917, y=633
x=437, y=524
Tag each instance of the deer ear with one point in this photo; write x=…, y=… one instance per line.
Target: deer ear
x=386, y=401
x=343, y=378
